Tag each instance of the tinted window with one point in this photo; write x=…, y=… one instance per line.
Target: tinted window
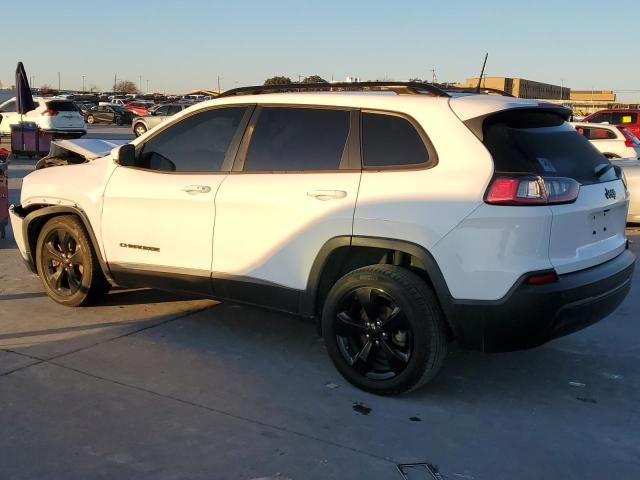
x=601, y=118
x=174, y=109
x=624, y=118
x=596, y=133
x=297, y=139
x=198, y=143
x=9, y=106
x=62, y=106
x=162, y=110
x=541, y=143
x=389, y=140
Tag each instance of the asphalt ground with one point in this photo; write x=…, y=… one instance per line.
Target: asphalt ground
x=150, y=385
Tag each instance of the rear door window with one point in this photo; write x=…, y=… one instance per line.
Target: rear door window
x=298, y=139
x=539, y=143
x=390, y=140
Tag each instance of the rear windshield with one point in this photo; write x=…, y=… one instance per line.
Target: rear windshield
x=62, y=106
x=541, y=143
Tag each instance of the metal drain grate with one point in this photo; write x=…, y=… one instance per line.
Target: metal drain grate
x=418, y=471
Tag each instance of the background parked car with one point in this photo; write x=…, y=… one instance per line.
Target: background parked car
x=142, y=124
x=630, y=119
x=612, y=141
x=59, y=117
x=631, y=170
x=109, y=114
x=139, y=108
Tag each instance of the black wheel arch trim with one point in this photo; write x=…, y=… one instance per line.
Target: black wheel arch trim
x=309, y=298
x=54, y=211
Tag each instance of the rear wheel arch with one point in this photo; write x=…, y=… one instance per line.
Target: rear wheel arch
x=35, y=220
x=342, y=255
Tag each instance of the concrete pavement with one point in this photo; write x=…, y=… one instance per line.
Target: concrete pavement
x=158, y=386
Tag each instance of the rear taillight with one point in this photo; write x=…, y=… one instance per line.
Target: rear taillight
x=49, y=113
x=531, y=190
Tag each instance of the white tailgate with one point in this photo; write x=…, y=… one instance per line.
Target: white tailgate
x=591, y=230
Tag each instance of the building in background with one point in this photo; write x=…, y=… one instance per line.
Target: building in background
x=520, y=87
x=607, y=96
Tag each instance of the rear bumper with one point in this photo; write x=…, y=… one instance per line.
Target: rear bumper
x=530, y=315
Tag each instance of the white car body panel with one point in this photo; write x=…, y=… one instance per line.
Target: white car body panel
x=631, y=169
x=60, y=186
x=269, y=226
x=145, y=208
x=589, y=231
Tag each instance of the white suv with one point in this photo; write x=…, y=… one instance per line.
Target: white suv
x=59, y=116
x=400, y=219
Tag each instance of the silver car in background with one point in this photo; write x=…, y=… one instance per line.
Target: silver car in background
x=141, y=125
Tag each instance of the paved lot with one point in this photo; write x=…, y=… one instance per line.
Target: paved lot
x=150, y=385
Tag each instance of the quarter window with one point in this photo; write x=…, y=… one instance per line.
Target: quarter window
x=198, y=143
x=389, y=140
x=9, y=106
x=298, y=139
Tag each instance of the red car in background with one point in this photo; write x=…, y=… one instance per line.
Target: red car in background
x=627, y=118
x=139, y=109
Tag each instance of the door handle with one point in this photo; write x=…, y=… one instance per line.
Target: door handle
x=327, y=194
x=193, y=189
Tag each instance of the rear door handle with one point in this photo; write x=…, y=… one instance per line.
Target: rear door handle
x=193, y=189
x=327, y=194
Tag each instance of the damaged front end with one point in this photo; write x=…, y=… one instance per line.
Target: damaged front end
x=70, y=152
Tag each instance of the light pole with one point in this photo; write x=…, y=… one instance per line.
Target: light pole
x=83, y=89
x=148, y=86
x=140, y=82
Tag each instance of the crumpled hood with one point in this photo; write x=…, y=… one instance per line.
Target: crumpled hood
x=89, y=148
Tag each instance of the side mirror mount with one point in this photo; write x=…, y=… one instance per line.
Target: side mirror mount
x=124, y=155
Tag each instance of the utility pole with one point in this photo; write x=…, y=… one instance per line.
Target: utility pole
x=140, y=82
x=58, y=81
x=83, y=89
x=115, y=81
x=218, y=83
x=148, y=86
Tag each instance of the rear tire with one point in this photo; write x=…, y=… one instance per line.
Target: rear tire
x=139, y=129
x=384, y=330
x=67, y=264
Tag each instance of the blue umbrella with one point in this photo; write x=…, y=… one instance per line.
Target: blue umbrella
x=24, y=100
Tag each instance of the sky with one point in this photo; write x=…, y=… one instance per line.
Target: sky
x=178, y=46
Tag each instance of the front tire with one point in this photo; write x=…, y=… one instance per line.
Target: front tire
x=67, y=264
x=384, y=330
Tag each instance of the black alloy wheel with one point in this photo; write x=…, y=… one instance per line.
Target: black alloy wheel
x=64, y=262
x=373, y=334
x=67, y=264
x=384, y=330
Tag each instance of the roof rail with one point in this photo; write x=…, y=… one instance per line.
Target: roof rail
x=485, y=90
x=401, y=88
